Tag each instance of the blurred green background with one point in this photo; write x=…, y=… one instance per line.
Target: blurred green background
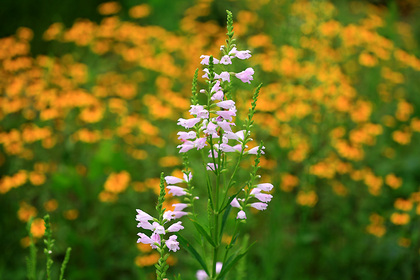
x=90, y=95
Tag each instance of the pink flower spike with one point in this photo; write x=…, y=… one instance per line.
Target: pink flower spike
x=173, y=180
x=241, y=215
x=243, y=54
x=259, y=205
x=265, y=187
x=225, y=76
x=172, y=244
x=144, y=239
x=246, y=75
x=175, y=227
x=143, y=216
x=189, y=123
x=179, y=206
x=176, y=191
x=225, y=60
x=235, y=203
x=227, y=104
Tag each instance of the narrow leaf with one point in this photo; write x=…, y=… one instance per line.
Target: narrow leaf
x=232, y=261
x=187, y=245
x=224, y=219
x=204, y=232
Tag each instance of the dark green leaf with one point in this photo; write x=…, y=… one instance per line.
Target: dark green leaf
x=187, y=245
x=203, y=232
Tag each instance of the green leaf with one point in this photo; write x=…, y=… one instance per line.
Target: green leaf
x=224, y=219
x=187, y=245
x=204, y=232
x=232, y=261
x=230, y=200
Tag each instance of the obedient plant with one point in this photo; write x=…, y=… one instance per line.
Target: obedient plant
x=213, y=131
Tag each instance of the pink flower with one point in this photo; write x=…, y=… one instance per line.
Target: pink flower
x=211, y=129
x=144, y=239
x=186, y=146
x=143, y=216
x=217, y=96
x=225, y=60
x=171, y=215
x=158, y=229
x=176, y=191
x=227, y=115
x=263, y=197
x=188, y=123
x=179, y=206
x=186, y=135
x=173, y=180
x=206, y=60
x=175, y=227
x=265, y=187
x=201, y=275
x=241, y=215
x=235, y=203
x=233, y=51
x=188, y=177
x=243, y=54
x=238, y=147
x=227, y=149
x=145, y=225
x=156, y=240
x=225, y=125
x=210, y=166
x=206, y=73
x=254, y=151
x=225, y=76
x=172, y=244
x=200, y=143
x=216, y=87
x=246, y=75
x=227, y=104
x=259, y=205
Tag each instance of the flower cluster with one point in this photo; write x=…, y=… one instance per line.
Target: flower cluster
x=160, y=227
x=215, y=119
x=256, y=192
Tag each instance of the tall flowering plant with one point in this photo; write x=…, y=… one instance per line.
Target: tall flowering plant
x=212, y=131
